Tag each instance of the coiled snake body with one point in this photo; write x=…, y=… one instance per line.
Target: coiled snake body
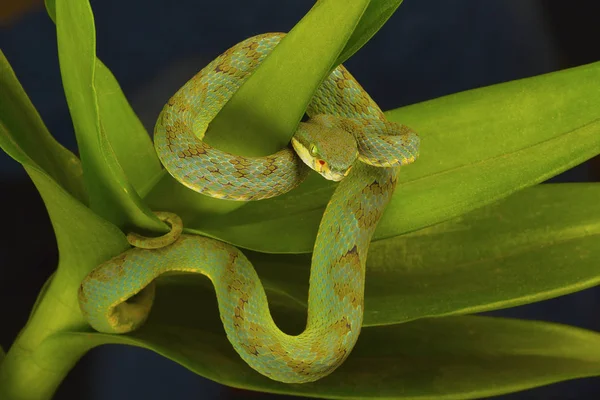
x=347, y=139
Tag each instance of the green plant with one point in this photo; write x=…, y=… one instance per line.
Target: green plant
x=467, y=230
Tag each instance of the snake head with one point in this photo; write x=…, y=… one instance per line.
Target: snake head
x=326, y=148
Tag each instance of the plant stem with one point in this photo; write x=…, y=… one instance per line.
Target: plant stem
x=43, y=352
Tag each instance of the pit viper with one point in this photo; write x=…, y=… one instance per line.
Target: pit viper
x=346, y=138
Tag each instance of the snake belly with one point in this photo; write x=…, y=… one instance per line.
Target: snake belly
x=337, y=277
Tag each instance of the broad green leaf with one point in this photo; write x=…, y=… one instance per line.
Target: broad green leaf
x=417, y=358
x=83, y=238
x=263, y=114
x=453, y=357
x=413, y=360
x=51, y=9
x=33, y=368
x=525, y=131
x=25, y=138
x=126, y=134
x=111, y=194
x=144, y=172
x=476, y=147
x=536, y=244
x=376, y=14
x=1, y=355
x=254, y=123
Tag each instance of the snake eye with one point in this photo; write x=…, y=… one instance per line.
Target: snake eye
x=313, y=150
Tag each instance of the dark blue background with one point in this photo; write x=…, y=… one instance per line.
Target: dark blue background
x=429, y=48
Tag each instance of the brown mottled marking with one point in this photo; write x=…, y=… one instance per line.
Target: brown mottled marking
x=340, y=355
x=351, y=258
x=198, y=86
x=343, y=289
x=270, y=168
x=100, y=275
x=299, y=366
x=185, y=153
x=240, y=168
x=343, y=326
x=254, y=343
x=196, y=150
x=333, y=326
x=351, y=125
x=369, y=219
x=256, y=328
x=252, y=346
x=172, y=129
x=239, y=310
x=235, y=285
x=277, y=349
x=342, y=84
x=319, y=349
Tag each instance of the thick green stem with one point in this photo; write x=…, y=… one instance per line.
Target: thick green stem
x=42, y=355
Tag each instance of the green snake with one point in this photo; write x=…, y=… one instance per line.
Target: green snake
x=346, y=139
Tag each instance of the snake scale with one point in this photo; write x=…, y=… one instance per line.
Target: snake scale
x=346, y=139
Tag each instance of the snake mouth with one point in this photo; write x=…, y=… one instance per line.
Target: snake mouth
x=317, y=164
x=332, y=175
x=322, y=167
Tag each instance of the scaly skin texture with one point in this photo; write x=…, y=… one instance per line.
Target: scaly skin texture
x=195, y=164
x=336, y=293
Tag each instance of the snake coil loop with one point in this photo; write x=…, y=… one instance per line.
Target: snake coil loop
x=116, y=297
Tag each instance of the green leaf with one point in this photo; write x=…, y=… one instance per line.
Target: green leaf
x=476, y=147
x=25, y=138
x=504, y=138
x=2, y=354
x=537, y=244
x=376, y=14
x=453, y=357
x=232, y=136
x=83, y=238
x=34, y=367
x=125, y=133
x=281, y=88
x=263, y=114
x=51, y=9
x=106, y=128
